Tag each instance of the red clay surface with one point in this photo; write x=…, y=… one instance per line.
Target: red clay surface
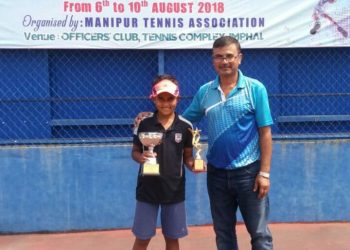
x=295, y=236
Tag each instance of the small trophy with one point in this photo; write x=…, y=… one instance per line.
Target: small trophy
x=150, y=140
x=199, y=164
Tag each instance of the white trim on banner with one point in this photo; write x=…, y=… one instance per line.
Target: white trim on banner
x=173, y=24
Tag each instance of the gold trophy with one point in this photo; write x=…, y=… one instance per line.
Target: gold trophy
x=150, y=140
x=199, y=164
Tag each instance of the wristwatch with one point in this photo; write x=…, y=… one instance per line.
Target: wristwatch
x=264, y=174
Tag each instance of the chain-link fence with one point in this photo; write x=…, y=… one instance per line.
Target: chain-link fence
x=76, y=96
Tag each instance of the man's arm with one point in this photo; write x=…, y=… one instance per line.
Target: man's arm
x=262, y=184
x=265, y=141
x=194, y=112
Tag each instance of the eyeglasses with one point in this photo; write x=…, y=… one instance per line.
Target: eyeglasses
x=228, y=57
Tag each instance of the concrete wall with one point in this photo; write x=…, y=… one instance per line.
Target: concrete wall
x=67, y=188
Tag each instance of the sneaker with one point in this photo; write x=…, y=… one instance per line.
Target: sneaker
x=315, y=28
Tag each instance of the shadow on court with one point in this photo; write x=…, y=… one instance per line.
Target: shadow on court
x=294, y=236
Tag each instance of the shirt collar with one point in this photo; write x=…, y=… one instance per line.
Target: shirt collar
x=240, y=83
x=155, y=120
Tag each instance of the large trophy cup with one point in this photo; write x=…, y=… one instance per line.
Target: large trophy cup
x=150, y=140
x=199, y=164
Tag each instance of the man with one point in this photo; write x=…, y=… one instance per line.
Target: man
x=239, y=147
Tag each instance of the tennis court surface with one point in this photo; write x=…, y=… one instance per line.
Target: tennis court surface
x=294, y=236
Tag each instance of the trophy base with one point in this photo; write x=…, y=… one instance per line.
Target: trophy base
x=150, y=169
x=199, y=165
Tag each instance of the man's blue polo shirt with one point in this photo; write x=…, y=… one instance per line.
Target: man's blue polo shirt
x=233, y=121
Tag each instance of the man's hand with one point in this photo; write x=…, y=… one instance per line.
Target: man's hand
x=140, y=117
x=262, y=185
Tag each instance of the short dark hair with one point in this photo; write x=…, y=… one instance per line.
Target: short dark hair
x=160, y=78
x=225, y=41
